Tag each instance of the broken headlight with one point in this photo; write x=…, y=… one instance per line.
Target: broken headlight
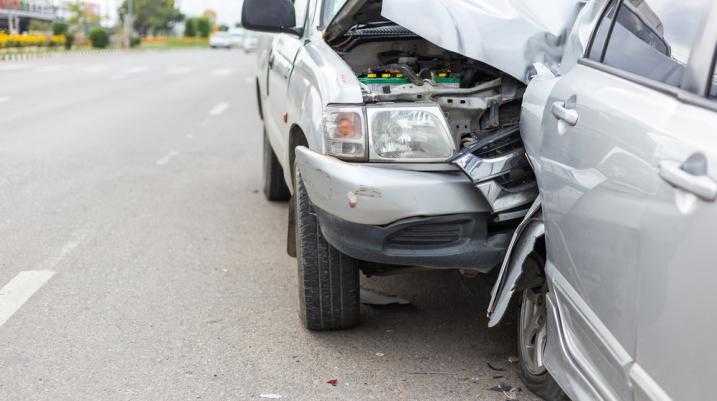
x=412, y=133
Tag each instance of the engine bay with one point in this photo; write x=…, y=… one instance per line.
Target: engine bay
x=481, y=106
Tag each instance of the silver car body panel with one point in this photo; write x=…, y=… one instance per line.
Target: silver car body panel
x=372, y=194
x=510, y=35
x=630, y=256
x=521, y=245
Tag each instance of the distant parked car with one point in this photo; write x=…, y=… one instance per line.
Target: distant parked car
x=221, y=40
x=236, y=37
x=250, y=41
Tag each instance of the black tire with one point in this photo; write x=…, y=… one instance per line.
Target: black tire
x=533, y=308
x=275, y=188
x=328, y=279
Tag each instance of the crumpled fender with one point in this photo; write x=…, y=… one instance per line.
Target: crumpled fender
x=521, y=245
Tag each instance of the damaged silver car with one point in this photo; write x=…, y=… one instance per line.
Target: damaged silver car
x=613, y=265
x=362, y=119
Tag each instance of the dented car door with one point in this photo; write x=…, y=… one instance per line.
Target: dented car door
x=622, y=159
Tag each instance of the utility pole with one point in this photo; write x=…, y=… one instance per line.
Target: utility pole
x=128, y=23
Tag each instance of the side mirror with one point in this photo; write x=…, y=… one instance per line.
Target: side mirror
x=273, y=16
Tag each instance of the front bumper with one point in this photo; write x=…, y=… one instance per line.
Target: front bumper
x=396, y=216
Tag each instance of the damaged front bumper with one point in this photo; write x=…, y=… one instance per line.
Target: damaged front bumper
x=395, y=216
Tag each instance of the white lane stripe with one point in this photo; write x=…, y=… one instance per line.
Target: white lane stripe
x=95, y=68
x=77, y=238
x=4, y=99
x=222, y=71
x=137, y=70
x=179, y=70
x=15, y=293
x=165, y=159
x=50, y=68
x=219, y=109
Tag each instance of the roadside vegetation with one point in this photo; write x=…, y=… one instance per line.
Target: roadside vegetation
x=155, y=24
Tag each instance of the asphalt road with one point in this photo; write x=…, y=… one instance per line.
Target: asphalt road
x=131, y=183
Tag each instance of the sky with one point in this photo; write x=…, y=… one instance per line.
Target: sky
x=228, y=11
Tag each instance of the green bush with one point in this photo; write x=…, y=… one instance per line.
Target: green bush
x=99, y=38
x=190, y=28
x=135, y=41
x=59, y=28
x=204, y=27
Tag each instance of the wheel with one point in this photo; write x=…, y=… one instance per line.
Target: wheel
x=532, y=339
x=328, y=279
x=275, y=188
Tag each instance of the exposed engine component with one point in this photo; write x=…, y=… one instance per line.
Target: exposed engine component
x=481, y=106
x=469, y=106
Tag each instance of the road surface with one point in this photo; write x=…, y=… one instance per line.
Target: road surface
x=140, y=261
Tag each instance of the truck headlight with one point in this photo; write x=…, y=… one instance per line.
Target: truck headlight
x=387, y=133
x=409, y=133
x=345, y=132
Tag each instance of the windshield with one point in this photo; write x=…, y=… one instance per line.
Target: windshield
x=329, y=10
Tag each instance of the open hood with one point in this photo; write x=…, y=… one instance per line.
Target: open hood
x=509, y=35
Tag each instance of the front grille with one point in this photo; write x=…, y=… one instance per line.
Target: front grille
x=432, y=234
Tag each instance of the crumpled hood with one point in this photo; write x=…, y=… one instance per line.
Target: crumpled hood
x=509, y=35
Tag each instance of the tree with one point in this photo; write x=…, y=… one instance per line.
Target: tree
x=152, y=16
x=82, y=17
x=99, y=38
x=190, y=28
x=59, y=28
x=40, y=26
x=204, y=26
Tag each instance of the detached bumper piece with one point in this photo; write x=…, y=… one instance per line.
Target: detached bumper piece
x=498, y=167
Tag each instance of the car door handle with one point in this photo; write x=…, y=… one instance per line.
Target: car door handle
x=686, y=177
x=570, y=116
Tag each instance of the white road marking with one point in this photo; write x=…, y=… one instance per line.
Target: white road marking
x=270, y=396
x=95, y=68
x=131, y=71
x=76, y=239
x=15, y=293
x=179, y=70
x=165, y=159
x=219, y=109
x=223, y=71
x=248, y=80
x=137, y=70
x=50, y=68
x=4, y=99
x=190, y=136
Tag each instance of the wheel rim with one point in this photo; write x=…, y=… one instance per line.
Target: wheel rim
x=533, y=330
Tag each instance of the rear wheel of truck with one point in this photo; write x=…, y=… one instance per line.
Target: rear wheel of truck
x=532, y=339
x=275, y=188
x=328, y=279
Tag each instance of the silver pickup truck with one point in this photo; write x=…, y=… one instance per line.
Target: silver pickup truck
x=361, y=120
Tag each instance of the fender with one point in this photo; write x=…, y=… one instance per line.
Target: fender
x=521, y=245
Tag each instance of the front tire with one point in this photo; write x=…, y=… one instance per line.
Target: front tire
x=328, y=279
x=532, y=339
x=275, y=188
